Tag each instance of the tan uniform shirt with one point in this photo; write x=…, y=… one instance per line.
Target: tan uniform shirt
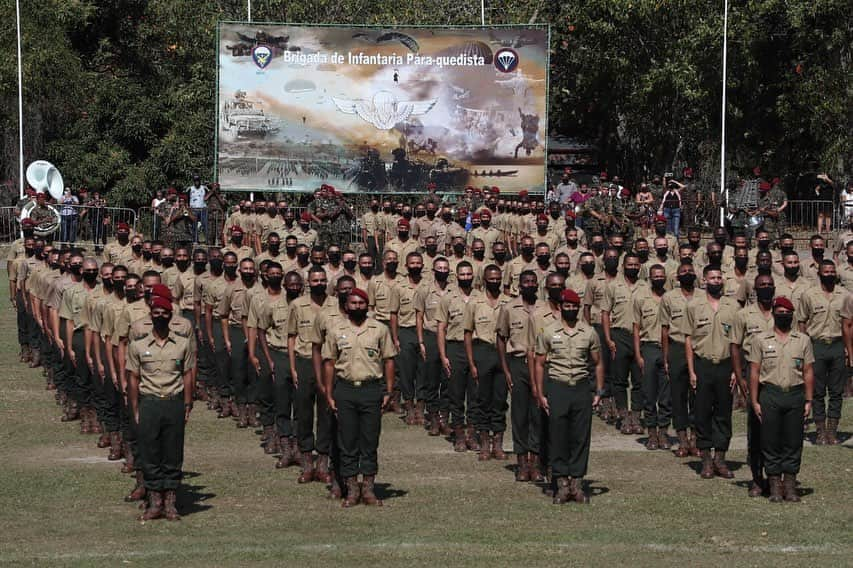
x=513, y=272
x=489, y=237
x=749, y=323
x=384, y=297
x=673, y=313
x=426, y=301
x=709, y=331
x=821, y=312
x=213, y=294
x=271, y=316
x=646, y=305
x=236, y=300
x=568, y=350
x=73, y=301
x=144, y=327
x=358, y=351
x=402, y=249
x=242, y=252
x=515, y=325
x=161, y=367
x=118, y=254
x=451, y=310
x=368, y=223
x=406, y=291
x=594, y=296
x=781, y=361
x=130, y=313
x=300, y=322
x=308, y=237
x=481, y=317
x=618, y=301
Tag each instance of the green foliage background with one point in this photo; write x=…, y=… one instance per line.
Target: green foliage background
x=121, y=94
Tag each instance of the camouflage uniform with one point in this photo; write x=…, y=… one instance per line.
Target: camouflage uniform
x=591, y=224
x=166, y=230
x=319, y=207
x=43, y=214
x=341, y=225
x=774, y=199
x=628, y=213
x=182, y=229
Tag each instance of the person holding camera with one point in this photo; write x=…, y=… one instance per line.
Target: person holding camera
x=670, y=205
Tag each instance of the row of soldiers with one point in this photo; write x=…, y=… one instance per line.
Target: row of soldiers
x=449, y=336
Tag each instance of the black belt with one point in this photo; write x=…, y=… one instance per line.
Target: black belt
x=826, y=341
x=362, y=383
x=793, y=388
x=175, y=396
x=714, y=360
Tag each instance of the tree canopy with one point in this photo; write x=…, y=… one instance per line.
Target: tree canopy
x=121, y=93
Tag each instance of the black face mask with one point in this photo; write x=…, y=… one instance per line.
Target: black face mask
x=334, y=257
x=765, y=295
x=28, y=233
x=420, y=213
x=90, y=276
x=459, y=248
x=168, y=261
x=391, y=267
x=527, y=251
x=714, y=290
x=274, y=248
x=817, y=253
x=528, y=293
x=493, y=287
x=828, y=281
x=479, y=254
x=572, y=242
x=248, y=279
x=764, y=268
x=302, y=258
x=290, y=250
x=366, y=270
x=146, y=254
x=155, y=256
x=415, y=271
x=39, y=251
x=76, y=269
x=740, y=263
x=763, y=244
x=403, y=235
x=260, y=210
x=687, y=280
x=318, y=289
x=446, y=218
x=231, y=271
x=660, y=230
x=720, y=240
x=786, y=249
x=543, y=259
x=216, y=265
x=432, y=249
x=238, y=241
x=342, y=299
x=783, y=321
x=715, y=259
x=304, y=227
x=611, y=265
x=137, y=249
x=850, y=259
x=564, y=271
x=349, y=265
x=643, y=254
x=632, y=273
x=374, y=208
x=658, y=283
x=555, y=294
x=274, y=282
x=597, y=247
x=441, y=276
x=131, y=295
x=55, y=265
x=292, y=294
x=661, y=252
x=571, y=316
x=122, y=238
x=161, y=324
x=107, y=284
x=358, y=316
x=465, y=284
x=555, y=215
x=500, y=256
x=588, y=268
x=792, y=271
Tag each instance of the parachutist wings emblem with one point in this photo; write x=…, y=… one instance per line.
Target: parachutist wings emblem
x=384, y=110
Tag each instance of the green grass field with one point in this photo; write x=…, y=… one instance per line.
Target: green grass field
x=61, y=502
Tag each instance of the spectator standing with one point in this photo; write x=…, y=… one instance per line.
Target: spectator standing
x=197, y=194
x=68, y=216
x=565, y=189
x=216, y=208
x=155, y=203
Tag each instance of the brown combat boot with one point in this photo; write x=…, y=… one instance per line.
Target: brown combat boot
x=757, y=487
x=36, y=359
x=459, y=439
x=434, y=424
x=286, y=459
x=577, y=492
x=663, y=439
x=368, y=497
x=694, y=451
x=306, y=459
x=652, y=442
x=335, y=491
x=154, y=510
x=409, y=411
x=636, y=427
x=720, y=467
x=471, y=439
x=707, y=465
x=820, y=432
x=522, y=473
x=420, y=406
x=128, y=465
x=394, y=403
x=564, y=491
x=775, y=482
x=485, y=446
x=252, y=416
x=832, y=432
x=103, y=440
x=224, y=408
x=498, y=452
x=535, y=468
x=683, y=449
x=115, y=447
x=242, y=416
x=353, y=495
x=321, y=472
x=625, y=425
x=789, y=488
x=138, y=492
x=170, y=509
x=444, y=424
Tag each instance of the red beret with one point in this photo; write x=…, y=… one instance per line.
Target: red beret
x=570, y=214
x=159, y=302
x=431, y=185
x=41, y=195
x=567, y=170
x=660, y=218
x=122, y=227
x=541, y=217
x=478, y=190
x=485, y=213
x=688, y=172
x=764, y=186
x=305, y=216
x=625, y=192
x=403, y=222
x=475, y=217
x=237, y=229
x=523, y=193
x=171, y=191
x=570, y=296
x=182, y=197
x=602, y=175
x=776, y=181
x=783, y=302
x=161, y=291
x=462, y=211
x=28, y=223
x=360, y=293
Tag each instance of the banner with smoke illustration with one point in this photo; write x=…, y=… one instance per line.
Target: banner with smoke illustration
x=381, y=110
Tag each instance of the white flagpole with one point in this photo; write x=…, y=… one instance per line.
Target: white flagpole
x=20, y=107
x=249, y=9
x=723, y=189
x=483, y=12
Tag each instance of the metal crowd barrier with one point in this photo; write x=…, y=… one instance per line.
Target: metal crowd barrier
x=86, y=224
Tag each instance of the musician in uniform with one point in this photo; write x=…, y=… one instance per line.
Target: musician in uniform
x=41, y=214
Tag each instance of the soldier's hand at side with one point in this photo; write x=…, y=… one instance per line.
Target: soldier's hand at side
x=136, y=416
x=228, y=347
x=543, y=404
x=423, y=351
x=330, y=401
x=187, y=410
x=255, y=363
x=508, y=381
x=666, y=368
x=733, y=382
x=72, y=357
x=612, y=346
x=693, y=381
x=807, y=409
x=474, y=374
x=596, y=400
x=445, y=362
x=294, y=377
x=101, y=372
x=757, y=409
x=386, y=398
x=59, y=344
x=641, y=363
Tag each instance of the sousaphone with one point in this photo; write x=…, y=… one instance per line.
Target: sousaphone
x=44, y=177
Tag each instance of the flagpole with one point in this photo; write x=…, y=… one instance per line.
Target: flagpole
x=483, y=12
x=723, y=189
x=20, y=106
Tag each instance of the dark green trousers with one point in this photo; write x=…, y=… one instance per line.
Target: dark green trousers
x=283, y=393
x=461, y=387
x=408, y=362
x=108, y=398
x=625, y=368
x=223, y=362
x=305, y=399
x=569, y=427
x=264, y=392
x=80, y=378
x=359, y=426
x=161, y=441
x=22, y=319
x=781, y=428
x=525, y=413
x=491, y=388
x=606, y=359
x=713, y=403
x=830, y=378
x=656, y=388
x=435, y=381
x=754, y=454
x=238, y=372
x=683, y=397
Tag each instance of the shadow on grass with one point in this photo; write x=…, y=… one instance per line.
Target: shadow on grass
x=192, y=498
x=385, y=492
x=696, y=465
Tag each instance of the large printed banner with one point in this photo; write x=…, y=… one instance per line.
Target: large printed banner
x=381, y=110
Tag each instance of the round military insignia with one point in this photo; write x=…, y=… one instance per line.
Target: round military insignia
x=506, y=60
x=262, y=56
